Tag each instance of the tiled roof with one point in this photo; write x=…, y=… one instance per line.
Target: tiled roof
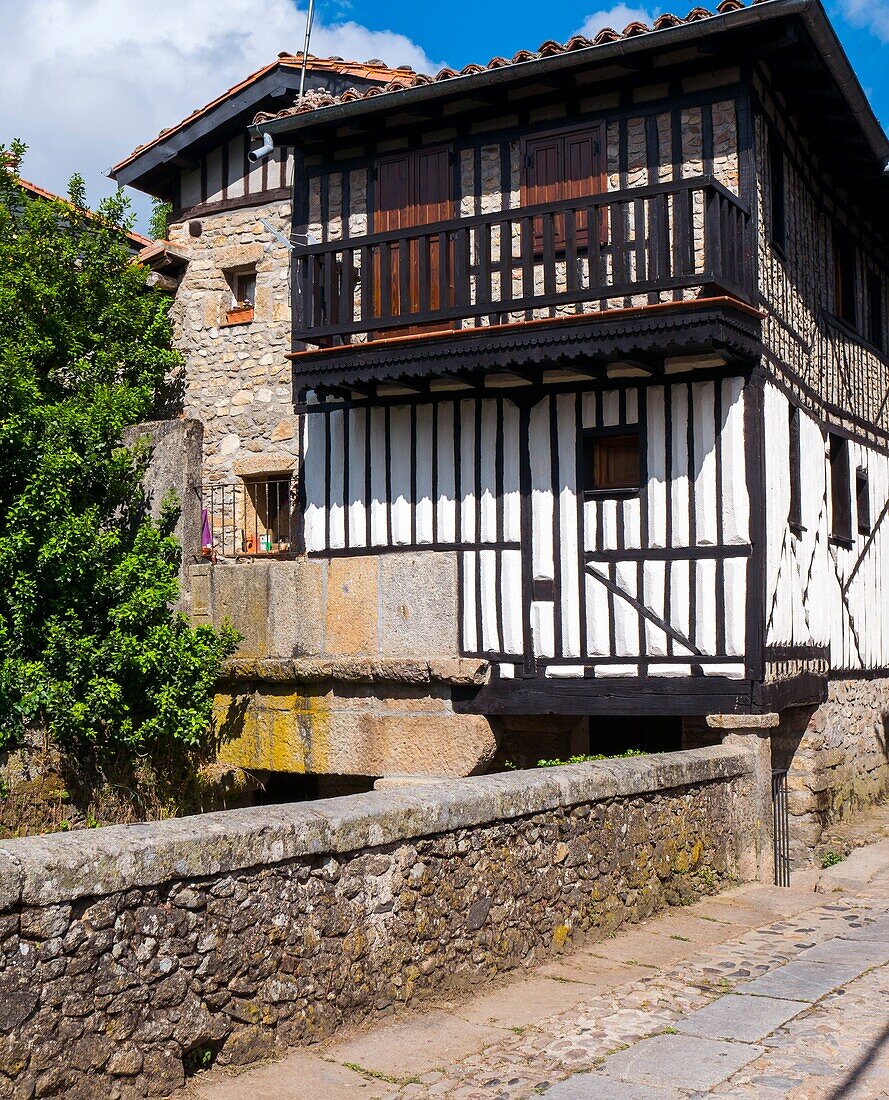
x=135, y=239
x=406, y=78
x=367, y=70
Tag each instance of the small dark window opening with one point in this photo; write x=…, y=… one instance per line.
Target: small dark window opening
x=840, y=489
x=875, y=310
x=795, y=518
x=267, y=520
x=846, y=279
x=778, y=194
x=243, y=284
x=862, y=501
x=611, y=461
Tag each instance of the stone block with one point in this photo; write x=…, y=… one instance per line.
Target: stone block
x=296, y=599
x=418, y=604
x=240, y=594
x=680, y=1061
x=803, y=981
x=741, y=1019
x=351, y=606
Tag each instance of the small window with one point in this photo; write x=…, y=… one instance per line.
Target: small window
x=846, y=279
x=778, y=194
x=795, y=518
x=267, y=516
x=243, y=296
x=862, y=501
x=875, y=310
x=840, y=490
x=611, y=462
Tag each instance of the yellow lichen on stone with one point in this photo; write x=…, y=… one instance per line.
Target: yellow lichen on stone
x=560, y=935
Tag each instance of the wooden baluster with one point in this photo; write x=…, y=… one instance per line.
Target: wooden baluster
x=571, y=250
x=463, y=286
x=549, y=253
x=427, y=300
x=367, y=285
x=483, y=278
x=527, y=246
x=405, y=259
x=387, y=291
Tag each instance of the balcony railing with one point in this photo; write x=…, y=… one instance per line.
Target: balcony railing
x=248, y=519
x=664, y=242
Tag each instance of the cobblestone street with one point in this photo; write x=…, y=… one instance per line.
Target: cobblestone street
x=757, y=992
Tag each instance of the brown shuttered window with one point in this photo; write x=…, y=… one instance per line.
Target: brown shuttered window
x=611, y=462
x=567, y=165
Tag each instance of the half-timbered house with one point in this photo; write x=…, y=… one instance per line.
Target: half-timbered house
x=588, y=351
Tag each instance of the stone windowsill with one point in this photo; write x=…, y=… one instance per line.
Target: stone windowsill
x=357, y=670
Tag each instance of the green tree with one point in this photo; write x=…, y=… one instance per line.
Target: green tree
x=159, y=220
x=90, y=651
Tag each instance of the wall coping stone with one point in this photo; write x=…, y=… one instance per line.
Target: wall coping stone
x=357, y=670
x=61, y=867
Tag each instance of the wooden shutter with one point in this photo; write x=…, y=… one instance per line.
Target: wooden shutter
x=567, y=165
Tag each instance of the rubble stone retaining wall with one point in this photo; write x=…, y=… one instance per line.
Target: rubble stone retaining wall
x=133, y=953
x=838, y=758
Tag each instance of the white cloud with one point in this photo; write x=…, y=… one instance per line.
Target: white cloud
x=872, y=15
x=617, y=18
x=85, y=81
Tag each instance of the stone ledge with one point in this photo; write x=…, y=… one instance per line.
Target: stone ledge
x=60, y=867
x=357, y=670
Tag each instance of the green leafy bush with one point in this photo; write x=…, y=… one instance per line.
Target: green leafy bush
x=91, y=653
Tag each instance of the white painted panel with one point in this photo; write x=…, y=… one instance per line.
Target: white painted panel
x=190, y=187
x=732, y=671
x=445, y=503
x=357, y=478
x=423, y=504
x=735, y=606
x=632, y=402
x=610, y=408
x=507, y=672
x=488, y=502
x=626, y=617
x=568, y=535
x=214, y=175
x=597, y=619
x=337, y=478
x=542, y=628
x=632, y=513
x=564, y=672
x=468, y=519
x=511, y=582
x=777, y=455
x=705, y=606
x=603, y=672
x=314, y=461
x=653, y=581
x=589, y=410
x=490, y=601
x=679, y=603
x=735, y=499
x=378, y=504
x=470, y=633
x=254, y=179
x=608, y=519
x=679, y=488
x=401, y=465
x=288, y=168
x=236, y=167
x=704, y=463
x=656, y=463
x=512, y=501
x=669, y=670
x=541, y=493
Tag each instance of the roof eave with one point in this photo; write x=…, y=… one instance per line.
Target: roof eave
x=811, y=11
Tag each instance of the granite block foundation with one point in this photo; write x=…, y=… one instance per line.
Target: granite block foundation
x=130, y=953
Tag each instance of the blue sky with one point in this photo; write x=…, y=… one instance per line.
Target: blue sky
x=85, y=81
x=468, y=30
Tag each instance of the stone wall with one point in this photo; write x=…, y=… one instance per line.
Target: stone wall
x=838, y=758
x=130, y=951
x=236, y=379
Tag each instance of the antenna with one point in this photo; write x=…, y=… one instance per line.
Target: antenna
x=288, y=242
x=310, y=17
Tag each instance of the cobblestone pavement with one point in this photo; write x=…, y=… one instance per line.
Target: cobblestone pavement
x=760, y=992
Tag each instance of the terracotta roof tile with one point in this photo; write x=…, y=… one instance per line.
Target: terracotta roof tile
x=135, y=239
x=547, y=49
x=367, y=70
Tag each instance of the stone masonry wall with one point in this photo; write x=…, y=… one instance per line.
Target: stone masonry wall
x=129, y=952
x=237, y=380
x=838, y=758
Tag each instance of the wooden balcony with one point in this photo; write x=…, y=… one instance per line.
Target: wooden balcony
x=673, y=244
